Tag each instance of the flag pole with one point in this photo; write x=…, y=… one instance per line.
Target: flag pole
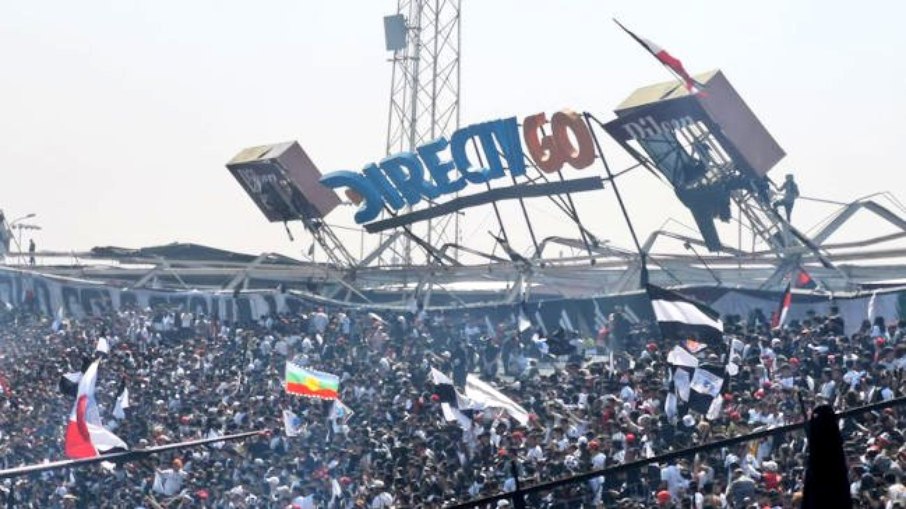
x=123, y=457
x=671, y=70
x=643, y=280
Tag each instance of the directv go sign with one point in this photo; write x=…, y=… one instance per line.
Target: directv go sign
x=443, y=167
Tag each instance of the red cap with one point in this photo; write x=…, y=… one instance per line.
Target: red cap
x=879, y=341
x=435, y=398
x=794, y=360
x=202, y=494
x=663, y=496
x=630, y=437
x=651, y=347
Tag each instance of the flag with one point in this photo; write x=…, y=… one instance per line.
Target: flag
x=484, y=394
x=452, y=403
x=783, y=310
x=213, y=433
x=680, y=357
x=667, y=59
x=122, y=403
x=103, y=346
x=86, y=437
x=339, y=411
x=311, y=383
x=804, y=280
x=292, y=424
x=58, y=320
x=873, y=306
x=680, y=318
x=69, y=382
x=522, y=321
x=704, y=388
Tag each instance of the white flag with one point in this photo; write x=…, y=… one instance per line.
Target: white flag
x=705, y=382
x=873, y=306
x=103, y=345
x=524, y=323
x=679, y=356
x=292, y=424
x=213, y=433
x=714, y=409
x=484, y=394
x=58, y=320
x=340, y=411
x=682, y=383
x=122, y=402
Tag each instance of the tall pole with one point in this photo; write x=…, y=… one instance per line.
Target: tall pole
x=424, y=104
x=643, y=280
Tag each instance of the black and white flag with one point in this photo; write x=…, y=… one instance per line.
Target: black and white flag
x=681, y=318
x=704, y=389
x=452, y=403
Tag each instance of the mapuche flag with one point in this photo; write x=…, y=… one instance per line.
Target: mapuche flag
x=667, y=59
x=86, y=436
x=311, y=383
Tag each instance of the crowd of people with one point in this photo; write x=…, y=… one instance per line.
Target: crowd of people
x=190, y=376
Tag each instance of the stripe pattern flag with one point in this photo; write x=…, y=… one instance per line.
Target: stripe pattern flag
x=783, y=310
x=680, y=318
x=86, y=437
x=667, y=59
x=452, y=403
x=311, y=383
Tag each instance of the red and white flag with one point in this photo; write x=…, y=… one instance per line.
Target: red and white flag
x=667, y=59
x=784, y=309
x=86, y=436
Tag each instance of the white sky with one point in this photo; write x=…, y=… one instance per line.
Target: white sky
x=118, y=116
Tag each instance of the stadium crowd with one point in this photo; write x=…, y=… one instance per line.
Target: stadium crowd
x=191, y=377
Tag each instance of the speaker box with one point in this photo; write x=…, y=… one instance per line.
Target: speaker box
x=283, y=181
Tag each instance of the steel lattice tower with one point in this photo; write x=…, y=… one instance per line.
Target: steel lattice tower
x=424, y=105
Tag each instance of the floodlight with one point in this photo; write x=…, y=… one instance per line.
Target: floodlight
x=395, y=32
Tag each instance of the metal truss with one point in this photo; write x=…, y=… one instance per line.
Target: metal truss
x=424, y=105
x=615, y=269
